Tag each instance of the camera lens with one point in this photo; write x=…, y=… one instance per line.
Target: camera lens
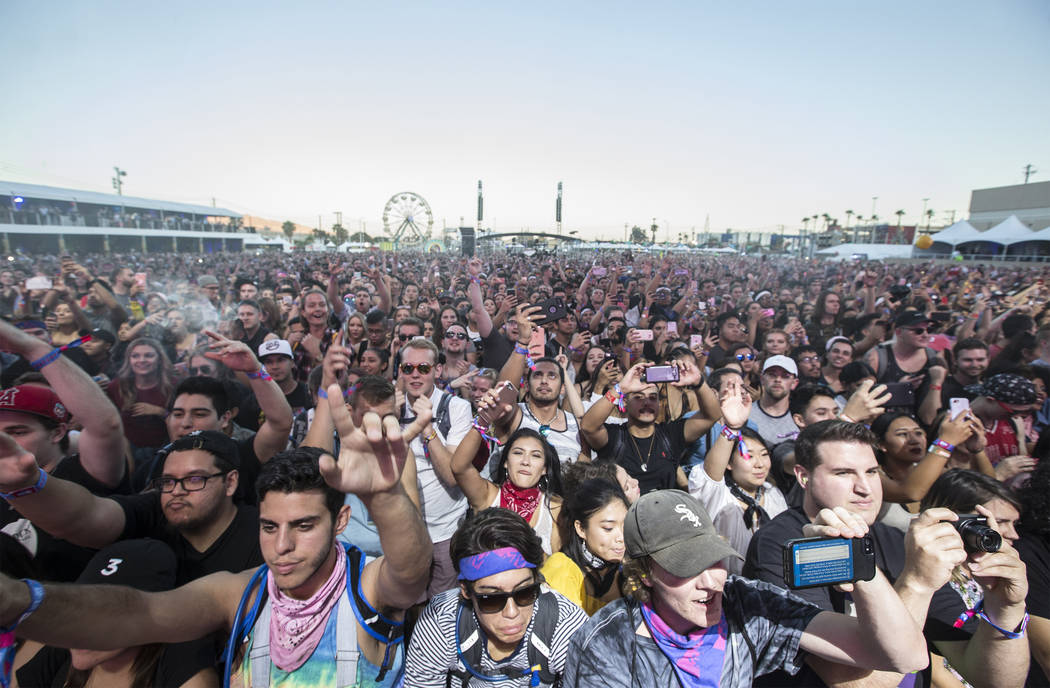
x=977, y=535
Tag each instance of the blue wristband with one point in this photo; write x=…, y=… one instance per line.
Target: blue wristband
x=36, y=596
x=25, y=491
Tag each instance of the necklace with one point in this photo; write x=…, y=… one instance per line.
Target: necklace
x=652, y=441
x=544, y=427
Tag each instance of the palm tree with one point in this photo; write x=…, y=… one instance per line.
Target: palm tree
x=899, y=236
x=849, y=214
x=805, y=223
x=929, y=218
x=288, y=227
x=827, y=221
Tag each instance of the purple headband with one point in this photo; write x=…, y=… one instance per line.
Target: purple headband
x=493, y=562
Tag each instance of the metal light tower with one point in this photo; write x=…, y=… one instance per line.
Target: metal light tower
x=118, y=181
x=557, y=209
x=481, y=203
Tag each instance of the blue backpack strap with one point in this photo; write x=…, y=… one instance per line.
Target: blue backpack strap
x=242, y=624
x=386, y=631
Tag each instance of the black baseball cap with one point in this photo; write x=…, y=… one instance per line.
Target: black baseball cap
x=911, y=319
x=144, y=564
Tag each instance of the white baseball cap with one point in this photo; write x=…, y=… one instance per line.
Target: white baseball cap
x=275, y=346
x=780, y=362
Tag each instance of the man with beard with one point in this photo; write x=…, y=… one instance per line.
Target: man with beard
x=649, y=451
x=541, y=411
x=329, y=618
x=191, y=507
x=971, y=362
x=772, y=414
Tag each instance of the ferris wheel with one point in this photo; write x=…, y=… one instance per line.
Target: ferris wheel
x=407, y=218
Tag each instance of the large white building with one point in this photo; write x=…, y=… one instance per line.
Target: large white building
x=1029, y=202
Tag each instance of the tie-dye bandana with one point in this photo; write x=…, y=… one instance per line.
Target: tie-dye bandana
x=493, y=562
x=697, y=658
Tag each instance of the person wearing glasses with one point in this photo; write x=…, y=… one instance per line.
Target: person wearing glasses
x=501, y=623
x=908, y=357
x=191, y=507
x=454, y=346
x=326, y=618
x=440, y=498
x=745, y=357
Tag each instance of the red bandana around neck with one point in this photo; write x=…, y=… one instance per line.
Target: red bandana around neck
x=521, y=500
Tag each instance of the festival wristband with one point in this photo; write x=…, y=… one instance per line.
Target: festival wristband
x=519, y=349
x=943, y=445
x=52, y=356
x=844, y=417
x=1010, y=635
x=261, y=374
x=934, y=449
x=484, y=431
x=26, y=491
x=322, y=393
x=738, y=437
x=7, y=633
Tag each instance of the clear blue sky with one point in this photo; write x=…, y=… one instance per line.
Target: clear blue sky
x=756, y=114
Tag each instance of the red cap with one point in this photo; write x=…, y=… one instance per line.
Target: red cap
x=40, y=401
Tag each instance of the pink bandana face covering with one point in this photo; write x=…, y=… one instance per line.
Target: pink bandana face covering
x=296, y=626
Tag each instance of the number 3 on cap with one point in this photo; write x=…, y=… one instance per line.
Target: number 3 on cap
x=111, y=567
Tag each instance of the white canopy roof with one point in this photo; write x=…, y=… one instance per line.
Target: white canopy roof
x=872, y=251
x=958, y=233
x=1009, y=231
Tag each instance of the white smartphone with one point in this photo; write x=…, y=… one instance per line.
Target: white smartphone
x=672, y=327
x=958, y=406
x=696, y=341
x=645, y=335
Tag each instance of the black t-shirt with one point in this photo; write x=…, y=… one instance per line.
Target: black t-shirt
x=237, y=549
x=1035, y=553
x=495, y=349
x=765, y=561
x=661, y=460
x=952, y=389
x=178, y=663
x=58, y=559
x=250, y=416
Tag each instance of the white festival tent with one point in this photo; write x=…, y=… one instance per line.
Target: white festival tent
x=1009, y=231
x=960, y=232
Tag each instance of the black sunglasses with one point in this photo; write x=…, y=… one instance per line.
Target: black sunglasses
x=455, y=335
x=405, y=337
x=423, y=368
x=490, y=603
x=919, y=330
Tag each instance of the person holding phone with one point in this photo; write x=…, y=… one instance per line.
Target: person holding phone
x=649, y=451
x=687, y=622
x=836, y=468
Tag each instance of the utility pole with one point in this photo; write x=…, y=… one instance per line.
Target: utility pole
x=481, y=205
x=118, y=181
x=1028, y=171
x=339, y=217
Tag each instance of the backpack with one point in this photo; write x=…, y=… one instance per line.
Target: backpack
x=883, y=352
x=375, y=624
x=469, y=647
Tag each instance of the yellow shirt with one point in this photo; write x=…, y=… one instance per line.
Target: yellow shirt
x=562, y=574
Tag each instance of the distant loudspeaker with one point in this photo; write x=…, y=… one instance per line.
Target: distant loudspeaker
x=466, y=236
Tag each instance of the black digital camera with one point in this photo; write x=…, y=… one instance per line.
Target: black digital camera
x=977, y=535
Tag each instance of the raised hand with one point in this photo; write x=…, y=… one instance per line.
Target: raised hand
x=735, y=402
x=688, y=374
x=867, y=402
x=1001, y=574
x=234, y=355
x=634, y=381
x=18, y=468
x=932, y=549
x=372, y=456
x=524, y=318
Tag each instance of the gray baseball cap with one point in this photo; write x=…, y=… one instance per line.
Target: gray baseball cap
x=675, y=530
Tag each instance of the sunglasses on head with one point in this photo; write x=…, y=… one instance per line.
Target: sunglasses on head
x=423, y=368
x=455, y=335
x=490, y=603
x=745, y=357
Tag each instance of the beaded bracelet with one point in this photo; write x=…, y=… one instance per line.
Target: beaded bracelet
x=261, y=374
x=52, y=356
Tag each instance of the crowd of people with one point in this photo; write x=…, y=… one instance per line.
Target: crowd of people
x=549, y=470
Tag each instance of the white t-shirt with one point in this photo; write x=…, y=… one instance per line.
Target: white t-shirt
x=442, y=505
x=726, y=512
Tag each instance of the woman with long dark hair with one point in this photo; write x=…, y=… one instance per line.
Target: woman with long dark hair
x=825, y=322
x=586, y=570
x=526, y=479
